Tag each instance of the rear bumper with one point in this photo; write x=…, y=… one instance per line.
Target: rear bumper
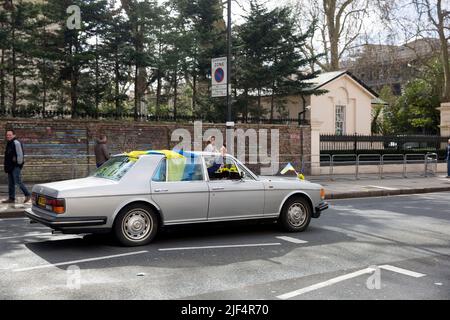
x=59, y=223
x=318, y=210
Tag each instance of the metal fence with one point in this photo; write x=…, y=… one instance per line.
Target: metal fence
x=426, y=165
x=333, y=144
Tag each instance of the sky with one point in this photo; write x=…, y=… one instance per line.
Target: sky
x=376, y=32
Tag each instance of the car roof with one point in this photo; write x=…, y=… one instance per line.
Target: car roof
x=160, y=153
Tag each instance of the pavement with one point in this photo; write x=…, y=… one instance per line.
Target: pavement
x=346, y=187
x=343, y=187
x=395, y=247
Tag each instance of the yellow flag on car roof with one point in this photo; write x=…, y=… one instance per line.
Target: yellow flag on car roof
x=136, y=154
x=170, y=154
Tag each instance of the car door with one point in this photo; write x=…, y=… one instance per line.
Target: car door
x=235, y=198
x=182, y=196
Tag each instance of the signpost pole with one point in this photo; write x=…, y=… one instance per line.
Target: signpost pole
x=229, y=62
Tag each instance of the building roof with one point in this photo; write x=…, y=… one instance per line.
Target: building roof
x=326, y=77
x=379, y=101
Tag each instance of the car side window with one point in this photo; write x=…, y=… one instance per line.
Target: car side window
x=179, y=169
x=191, y=168
x=160, y=172
x=247, y=175
x=228, y=170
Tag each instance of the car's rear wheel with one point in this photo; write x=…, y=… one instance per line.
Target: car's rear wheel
x=136, y=225
x=295, y=215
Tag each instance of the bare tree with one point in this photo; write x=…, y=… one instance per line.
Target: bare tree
x=426, y=20
x=338, y=23
x=438, y=17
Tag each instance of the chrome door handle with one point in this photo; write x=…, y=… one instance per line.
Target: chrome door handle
x=161, y=190
x=218, y=188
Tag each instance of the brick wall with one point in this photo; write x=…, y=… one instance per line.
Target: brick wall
x=58, y=149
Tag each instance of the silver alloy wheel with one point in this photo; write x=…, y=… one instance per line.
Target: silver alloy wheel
x=137, y=225
x=297, y=214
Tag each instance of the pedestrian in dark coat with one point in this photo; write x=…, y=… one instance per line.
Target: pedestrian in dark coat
x=101, y=150
x=13, y=164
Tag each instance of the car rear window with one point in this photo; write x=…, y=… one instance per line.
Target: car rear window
x=115, y=168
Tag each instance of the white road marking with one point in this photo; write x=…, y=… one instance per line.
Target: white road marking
x=291, y=239
x=385, y=188
x=402, y=271
x=325, y=283
x=50, y=236
x=384, y=197
x=28, y=235
x=79, y=261
x=346, y=277
x=12, y=219
x=223, y=246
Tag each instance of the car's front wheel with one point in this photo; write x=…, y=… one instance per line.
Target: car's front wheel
x=136, y=225
x=295, y=215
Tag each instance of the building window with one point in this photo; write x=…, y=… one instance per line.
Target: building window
x=340, y=119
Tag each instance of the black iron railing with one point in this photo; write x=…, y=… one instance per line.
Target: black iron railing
x=395, y=143
x=146, y=117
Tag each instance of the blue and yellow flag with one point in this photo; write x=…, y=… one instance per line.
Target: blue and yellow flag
x=289, y=167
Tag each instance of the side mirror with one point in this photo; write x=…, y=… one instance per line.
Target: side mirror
x=242, y=174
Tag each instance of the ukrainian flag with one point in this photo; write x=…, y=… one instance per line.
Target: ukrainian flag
x=289, y=167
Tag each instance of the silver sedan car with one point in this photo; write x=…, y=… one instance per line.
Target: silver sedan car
x=133, y=195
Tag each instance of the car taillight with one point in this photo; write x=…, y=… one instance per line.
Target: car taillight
x=322, y=193
x=56, y=205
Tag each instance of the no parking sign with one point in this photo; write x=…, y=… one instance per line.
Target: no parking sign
x=219, y=77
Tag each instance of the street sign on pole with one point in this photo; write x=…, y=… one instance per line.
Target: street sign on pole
x=219, y=77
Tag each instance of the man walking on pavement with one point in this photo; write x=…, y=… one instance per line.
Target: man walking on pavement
x=101, y=151
x=13, y=164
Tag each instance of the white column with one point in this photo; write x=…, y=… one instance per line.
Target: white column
x=445, y=120
x=315, y=146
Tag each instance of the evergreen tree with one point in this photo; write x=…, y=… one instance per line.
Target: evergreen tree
x=3, y=47
x=117, y=48
x=205, y=20
x=269, y=60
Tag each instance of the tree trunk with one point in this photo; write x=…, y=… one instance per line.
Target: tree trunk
x=44, y=76
x=141, y=74
x=44, y=85
x=246, y=105
x=158, y=92
x=175, y=93
x=272, y=101
x=334, y=54
x=116, y=81
x=14, y=75
x=259, y=104
x=2, y=82
x=333, y=33
x=97, y=97
x=194, y=80
x=137, y=97
x=444, y=53
x=194, y=91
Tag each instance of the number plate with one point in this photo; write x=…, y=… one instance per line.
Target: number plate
x=41, y=201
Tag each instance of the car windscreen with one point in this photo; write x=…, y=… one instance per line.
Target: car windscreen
x=115, y=168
